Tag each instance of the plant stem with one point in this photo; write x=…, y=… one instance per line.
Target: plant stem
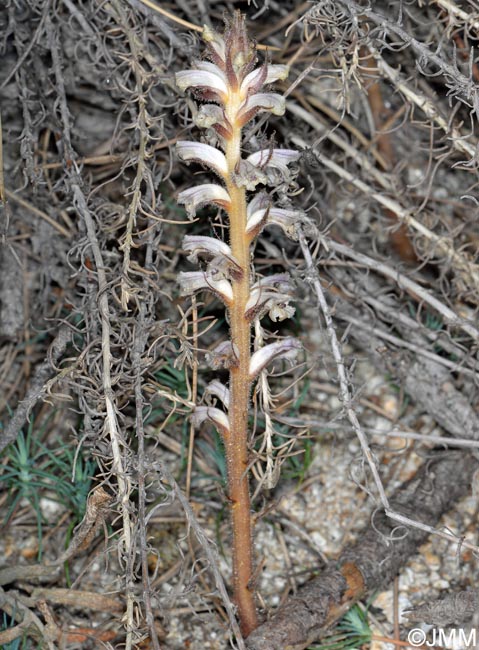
x=236, y=443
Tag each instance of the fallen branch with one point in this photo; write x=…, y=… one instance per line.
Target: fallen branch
x=452, y=609
x=373, y=561
x=38, y=388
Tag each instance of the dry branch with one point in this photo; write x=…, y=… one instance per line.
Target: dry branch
x=373, y=561
x=89, y=116
x=38, y=388
x=453, y=609
x=439, y=245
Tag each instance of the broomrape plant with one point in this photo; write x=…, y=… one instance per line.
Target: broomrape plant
x=233, y=88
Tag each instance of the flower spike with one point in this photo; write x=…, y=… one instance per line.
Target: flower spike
x=235, y=89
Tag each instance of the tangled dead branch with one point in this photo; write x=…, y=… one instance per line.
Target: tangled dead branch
x=100, y=353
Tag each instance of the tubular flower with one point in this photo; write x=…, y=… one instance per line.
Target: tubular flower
x=220, y=419
x=210, y=280
x=216, y=389
x=270, y=294
x=234, y=90
x=196, y=197
x=223, y=355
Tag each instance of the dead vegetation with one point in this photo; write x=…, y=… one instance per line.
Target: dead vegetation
x=115, y=531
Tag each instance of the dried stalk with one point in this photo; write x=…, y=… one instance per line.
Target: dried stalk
x=111, y=421
x=458, y=140
x=346, y=398
x=236, y=443
x=403, y=282
x=141, y=173
x=458, y=85
x=440, y=246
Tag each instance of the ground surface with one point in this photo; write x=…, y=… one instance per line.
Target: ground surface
x=111, y=506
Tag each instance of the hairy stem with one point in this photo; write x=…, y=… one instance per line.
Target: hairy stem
x=237, y=442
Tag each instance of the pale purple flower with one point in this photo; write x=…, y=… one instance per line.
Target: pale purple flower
x=280, y=310
x=210, y=114
x=258, y=167
x=249, y=175
x=289, y=220
x=286, y=349
x=215, y=41
x=257, y=78
x=200, y=195
x=270, y=294
x=200, y=244
x=223, y=355
x=209, y=280
x=220, y=252
x=276, y=158
x=272, y=102
x=213, y=68
x=216, y=389
x=204, y=153
x=219, y=418
x=257, y=211
x=279, y=281
x=202, y=79
x=261, y=213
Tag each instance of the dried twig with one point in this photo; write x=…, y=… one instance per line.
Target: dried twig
x=346, y=398
x=38, y=388
x=372, y=562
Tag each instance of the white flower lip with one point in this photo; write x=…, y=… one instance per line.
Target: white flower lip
x=200, y=195
x=218, y=417
x=193, y=281
x=272, y=102
x=190, y=151
x=208, y=115
x=272, y=294
x=201, y=79
x=224, y=355
x=286, y=348
x=220, y=252
x=216, y=389
x=215, y=41
x=281, y=311
x=274, y=72
x=278, y=158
